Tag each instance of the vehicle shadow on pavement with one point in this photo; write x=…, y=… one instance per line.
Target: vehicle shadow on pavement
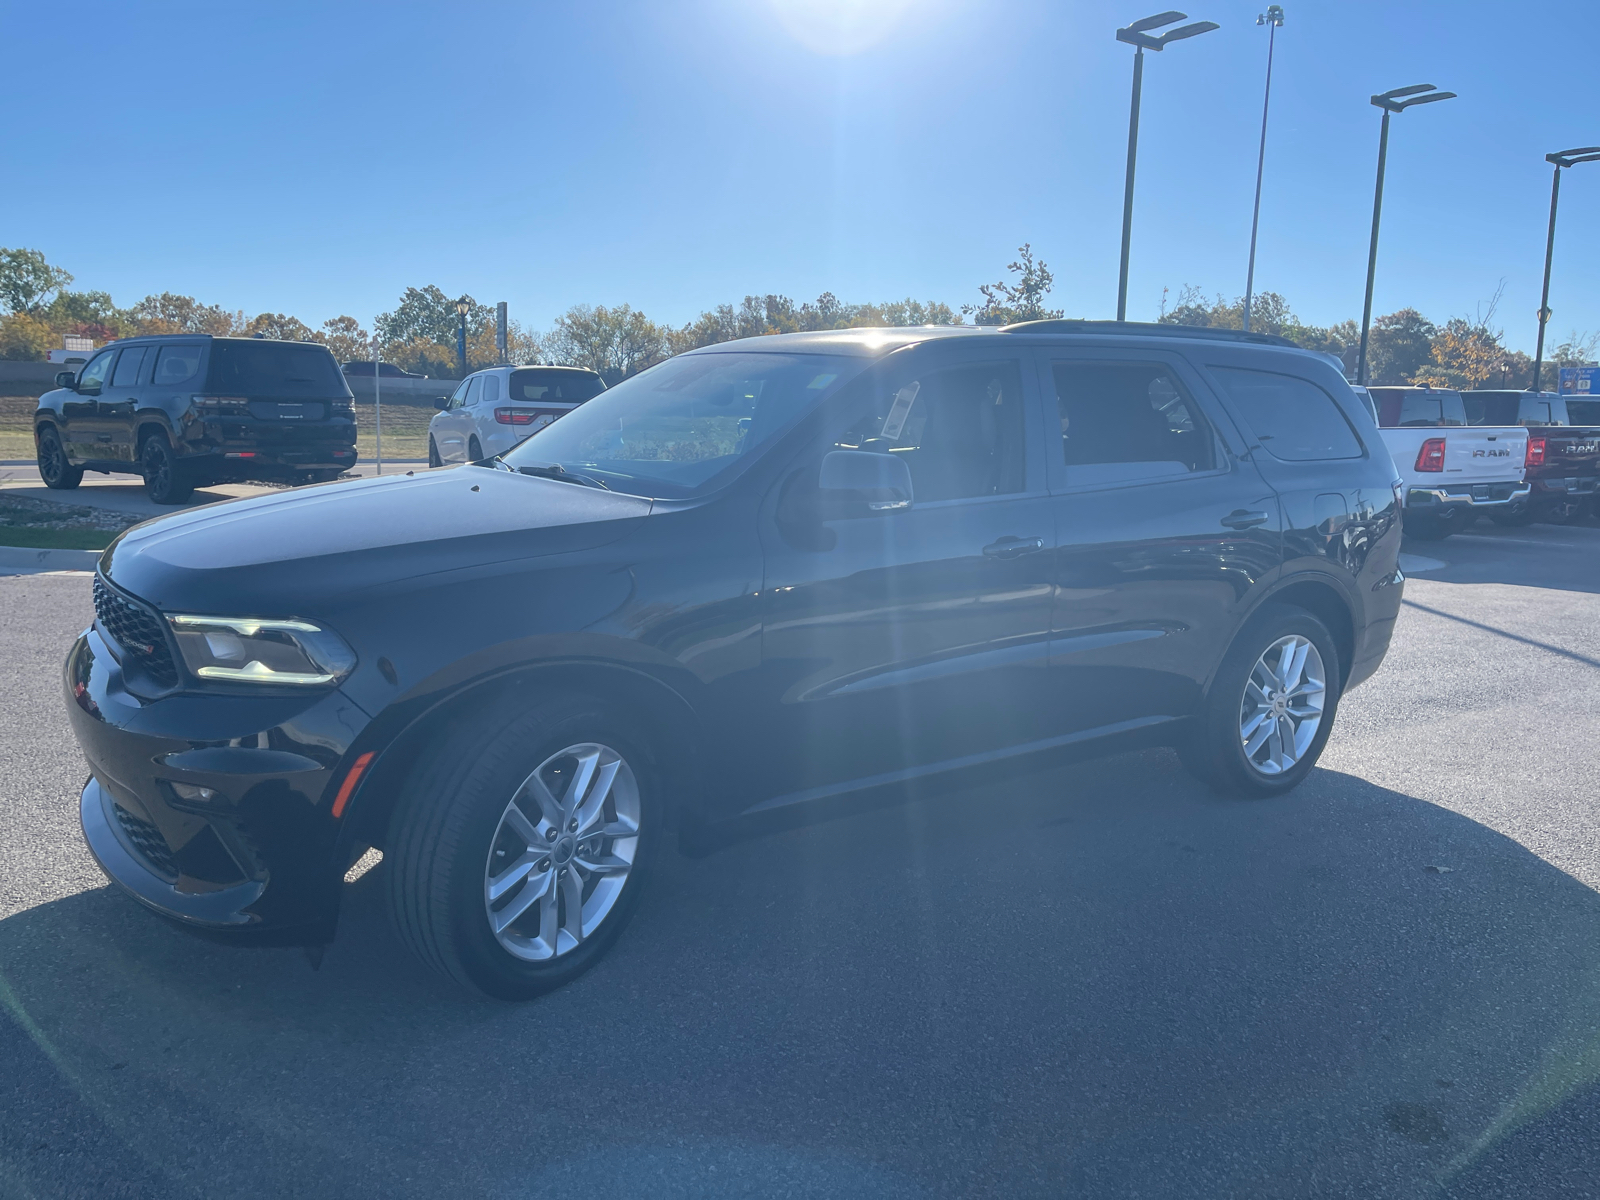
x=1097, y=980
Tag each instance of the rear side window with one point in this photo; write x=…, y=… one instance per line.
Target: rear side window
x=491, y=389
x=554, y=387
x=128, y=367
x=1292, y=417
x=474, y=389
x=1122, y=422
x=176, y=365
x=273, y=369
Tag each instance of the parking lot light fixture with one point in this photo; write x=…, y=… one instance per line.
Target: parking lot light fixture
x=1138, y=36
x=1272, y=19
x=1561, y=158
x=463, y=306
x=1396, y=100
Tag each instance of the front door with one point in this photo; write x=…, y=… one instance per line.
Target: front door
x=80, y=412
x=903, y=639
x=1164, y=529
x=451, y=426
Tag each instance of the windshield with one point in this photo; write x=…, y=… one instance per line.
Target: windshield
x=273, y=369
x=554, y=386
x=688, y=425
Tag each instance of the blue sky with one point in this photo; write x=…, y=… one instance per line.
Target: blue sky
x=317, y=158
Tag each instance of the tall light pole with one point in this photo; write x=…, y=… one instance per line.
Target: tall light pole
x=1561, y=158
x=1397, y=100
x=1272, y=19
x=1135, y=36
x=377, y=396
x=462, y=308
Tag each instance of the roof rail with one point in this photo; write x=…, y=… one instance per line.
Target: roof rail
x=1148, y=329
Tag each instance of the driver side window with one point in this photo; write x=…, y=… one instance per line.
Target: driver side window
x=93, y=376
x=958, y=429
x=459, y=396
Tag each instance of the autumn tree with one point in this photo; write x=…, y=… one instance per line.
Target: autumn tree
x=27, y=281
x=614, y=342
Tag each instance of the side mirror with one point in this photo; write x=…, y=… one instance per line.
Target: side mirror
x=859, y=483
x=67, y=379
x=441, y=402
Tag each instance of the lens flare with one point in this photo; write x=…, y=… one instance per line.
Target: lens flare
x=840, y=27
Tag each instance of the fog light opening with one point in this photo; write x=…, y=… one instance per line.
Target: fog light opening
x=194, y=793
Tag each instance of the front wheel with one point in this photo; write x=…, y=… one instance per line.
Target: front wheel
x=433, y=453
x=474, y=450
x=55, y=468
x=163, y=479
x=1270, y=708
x=519, y=850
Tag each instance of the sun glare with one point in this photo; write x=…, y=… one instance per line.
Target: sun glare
x=840, y=27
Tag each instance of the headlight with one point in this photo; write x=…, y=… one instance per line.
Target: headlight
x=247, y=650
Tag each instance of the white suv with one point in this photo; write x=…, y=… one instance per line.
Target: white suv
x=493, y=410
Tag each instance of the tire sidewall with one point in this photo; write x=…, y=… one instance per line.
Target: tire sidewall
x=1232, y=771
x=175, y=490
x=480, y=956
x=54, y=467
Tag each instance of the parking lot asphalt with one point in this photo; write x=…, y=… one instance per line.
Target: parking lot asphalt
x=1095, y=980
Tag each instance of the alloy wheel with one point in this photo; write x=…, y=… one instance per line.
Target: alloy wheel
x=1281, y=710
x=53, y=464
x=562, y=852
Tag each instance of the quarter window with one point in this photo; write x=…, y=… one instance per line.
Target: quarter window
x=958, y=429
x=1292, y=417
x=127, y=374
x=176, y=365
x=1122, y=422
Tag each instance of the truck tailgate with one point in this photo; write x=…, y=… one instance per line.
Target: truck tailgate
x=1483, y=454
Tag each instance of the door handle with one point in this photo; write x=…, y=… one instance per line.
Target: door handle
x=1242, y=518
x=1013, y=547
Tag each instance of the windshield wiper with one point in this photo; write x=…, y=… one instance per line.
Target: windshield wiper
x=557, y=471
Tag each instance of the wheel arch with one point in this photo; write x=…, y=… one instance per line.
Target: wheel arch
x=1323, y=600
x=674, y=738
x=148, y=421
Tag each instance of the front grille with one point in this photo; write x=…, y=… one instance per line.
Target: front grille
x=147, y=840
x=137, y=631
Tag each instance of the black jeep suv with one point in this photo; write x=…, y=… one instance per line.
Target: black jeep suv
x=189, y=411
x=771, y=573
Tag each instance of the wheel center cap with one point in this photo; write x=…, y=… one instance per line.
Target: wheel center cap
x=563, y=850
x=1280, y=704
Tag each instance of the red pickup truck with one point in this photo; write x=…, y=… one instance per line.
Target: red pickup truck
x=1563, y=457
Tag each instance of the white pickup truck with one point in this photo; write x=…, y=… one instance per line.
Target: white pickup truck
x=1451, y=471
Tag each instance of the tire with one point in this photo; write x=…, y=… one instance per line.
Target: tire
x=165, y=481
x=454, y=820
x=433, y=453
x=1562, y=512
x=325, y=476
x=1431, y=527
x=1219, y=751
x=474, y=450
x=55, y=468
x=1513, y=516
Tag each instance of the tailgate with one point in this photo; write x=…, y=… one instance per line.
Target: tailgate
x=1483, y=454
x=1573, y=452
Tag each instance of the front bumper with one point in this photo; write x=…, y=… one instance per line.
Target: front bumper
x=258, y=859
x=1467, y=495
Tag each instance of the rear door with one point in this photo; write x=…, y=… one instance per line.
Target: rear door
x=1164, y=527
x=120, y=400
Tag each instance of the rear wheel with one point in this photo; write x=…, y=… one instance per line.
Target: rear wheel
x=433, y=453
x=1270, y=708
x=1433, y=526
x=1513, y=516
x=55, y=468
x=1563, y=512
x=519, y=850
x=165, y=481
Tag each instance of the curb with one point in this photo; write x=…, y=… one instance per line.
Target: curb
x=27, y=558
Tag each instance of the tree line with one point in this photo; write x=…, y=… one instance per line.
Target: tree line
x=38, y=307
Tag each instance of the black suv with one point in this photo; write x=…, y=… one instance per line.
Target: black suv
x=189, y=411
x=771, y=573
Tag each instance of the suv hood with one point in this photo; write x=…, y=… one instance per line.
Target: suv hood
x=321, y=544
